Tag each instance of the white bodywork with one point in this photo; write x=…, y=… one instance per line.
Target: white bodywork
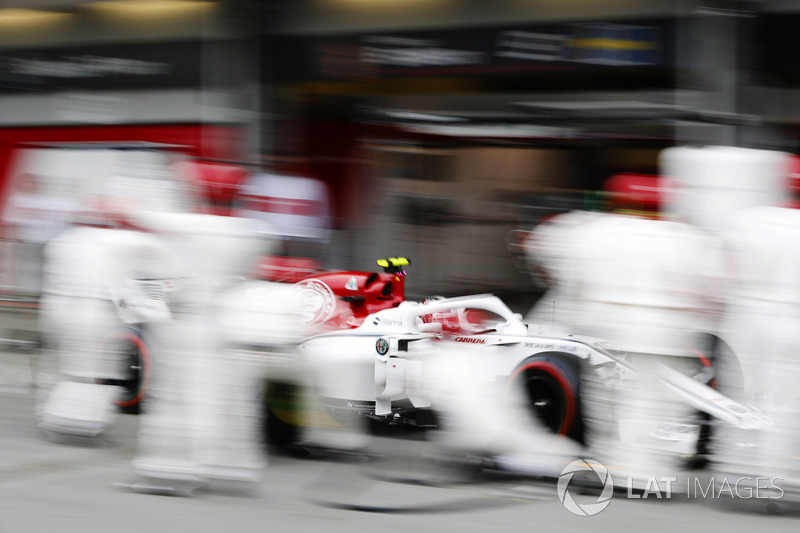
x=349, y=368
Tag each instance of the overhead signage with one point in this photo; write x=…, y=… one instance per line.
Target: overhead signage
x=109, y=67
x=490, y=51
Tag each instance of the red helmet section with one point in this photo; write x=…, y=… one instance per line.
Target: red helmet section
x=635, y=191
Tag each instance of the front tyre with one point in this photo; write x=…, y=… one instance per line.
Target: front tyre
x=130, y=355
x=282, y=412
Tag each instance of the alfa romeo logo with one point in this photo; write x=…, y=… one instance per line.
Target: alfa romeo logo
x=586, y=509
x=382, y=346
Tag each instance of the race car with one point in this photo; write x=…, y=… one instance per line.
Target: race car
x=377, y=370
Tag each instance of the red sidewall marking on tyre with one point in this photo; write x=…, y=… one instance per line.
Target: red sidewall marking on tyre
x=144, y=352
x=566, y=387
x=706, y=362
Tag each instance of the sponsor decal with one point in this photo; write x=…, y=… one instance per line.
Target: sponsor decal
x=388, y=322
x=382, y=346
x=360, y=405
x=352, y=284
x=551, y=346
x=470, y=340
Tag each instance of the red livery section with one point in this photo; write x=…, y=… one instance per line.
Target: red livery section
x=359, y=294
x=335, y=299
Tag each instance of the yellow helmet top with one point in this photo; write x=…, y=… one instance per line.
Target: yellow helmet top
x=393, y=262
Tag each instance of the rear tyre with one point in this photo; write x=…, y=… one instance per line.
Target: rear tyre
x=550, y=384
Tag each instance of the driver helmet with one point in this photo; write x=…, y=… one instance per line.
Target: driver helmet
x=634, y=194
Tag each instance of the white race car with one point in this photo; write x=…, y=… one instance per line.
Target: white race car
x=378, y=369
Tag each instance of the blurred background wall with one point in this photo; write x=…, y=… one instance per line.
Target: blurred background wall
x=439, y=126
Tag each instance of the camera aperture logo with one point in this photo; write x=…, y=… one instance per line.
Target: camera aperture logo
x=585, y=509
x=714, y=487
